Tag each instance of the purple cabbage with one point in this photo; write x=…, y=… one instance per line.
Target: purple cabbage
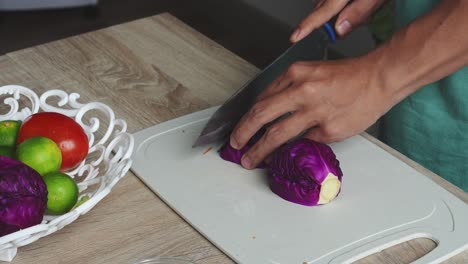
x=305, y=172
x=23, y=196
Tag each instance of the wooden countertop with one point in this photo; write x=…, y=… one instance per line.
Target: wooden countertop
x=149, y=71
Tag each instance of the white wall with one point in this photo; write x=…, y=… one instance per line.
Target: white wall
x=291, y=13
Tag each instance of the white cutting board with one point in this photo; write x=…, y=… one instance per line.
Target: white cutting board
x=383, y=202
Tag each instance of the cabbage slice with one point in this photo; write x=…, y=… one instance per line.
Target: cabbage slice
x=231, y=154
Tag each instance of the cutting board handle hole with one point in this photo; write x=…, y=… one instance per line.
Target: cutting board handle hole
x=405, y=252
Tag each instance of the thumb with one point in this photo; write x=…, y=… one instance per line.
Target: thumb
x=356, y=14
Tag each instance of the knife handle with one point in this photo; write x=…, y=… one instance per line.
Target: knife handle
x=330, y=32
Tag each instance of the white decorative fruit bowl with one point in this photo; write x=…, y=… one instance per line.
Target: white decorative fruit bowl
x=108, y=159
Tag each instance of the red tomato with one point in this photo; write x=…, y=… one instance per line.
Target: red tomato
x=63, y=130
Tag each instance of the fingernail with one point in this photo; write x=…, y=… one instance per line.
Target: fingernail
x=344, y=27
x=234, y=143
x=246, y=162
x=297, y=34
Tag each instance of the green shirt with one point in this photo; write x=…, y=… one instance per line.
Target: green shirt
x=431, y=125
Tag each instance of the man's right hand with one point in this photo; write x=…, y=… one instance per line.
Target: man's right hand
x=351, y=16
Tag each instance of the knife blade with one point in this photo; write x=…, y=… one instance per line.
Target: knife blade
x=312, y=47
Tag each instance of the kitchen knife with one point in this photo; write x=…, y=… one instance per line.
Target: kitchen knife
x=313, y=47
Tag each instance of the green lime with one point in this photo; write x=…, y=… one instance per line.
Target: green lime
x=7, y=151
x=9, y=132
x=62, y=192
x=41, y=154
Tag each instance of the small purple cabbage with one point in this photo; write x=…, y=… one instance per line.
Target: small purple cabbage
x=231, y=154
x=305, y=172
x=23, y=196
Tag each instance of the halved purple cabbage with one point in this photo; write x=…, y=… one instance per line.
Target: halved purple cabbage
x=302, y=171
x=23, y=196
x=305, y=172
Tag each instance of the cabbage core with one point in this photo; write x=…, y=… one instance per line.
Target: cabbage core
x=330, y=189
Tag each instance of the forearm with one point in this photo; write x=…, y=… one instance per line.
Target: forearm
x=427, y=50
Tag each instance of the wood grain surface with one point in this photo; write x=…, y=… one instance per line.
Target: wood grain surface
x=149, y=71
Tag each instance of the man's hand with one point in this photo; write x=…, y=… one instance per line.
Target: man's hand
x=333, y=100
x=330, y=101
x=351, y=16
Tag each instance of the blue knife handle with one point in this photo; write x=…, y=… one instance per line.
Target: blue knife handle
x=330, y=32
